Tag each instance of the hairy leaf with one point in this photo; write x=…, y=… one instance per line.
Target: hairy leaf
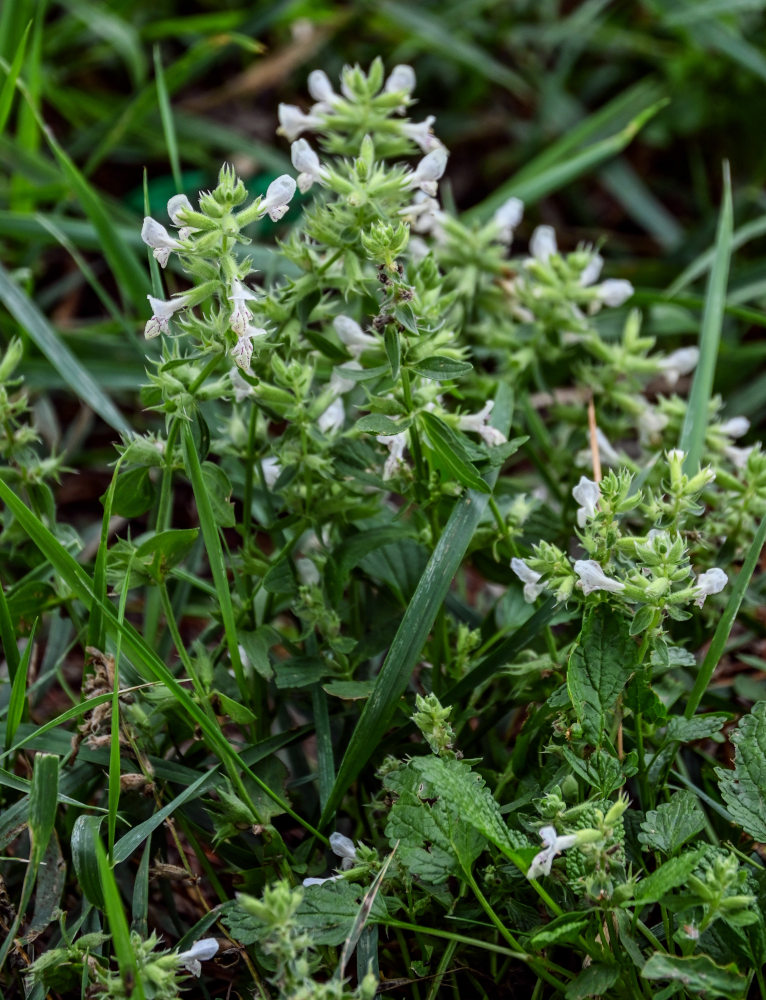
x=668, y=876
x=699, y=975
x=670, y=825
x=744, y=788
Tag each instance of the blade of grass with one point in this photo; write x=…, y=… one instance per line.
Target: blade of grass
x=8, y=637
x=214, y=554
x=140, y=907
x=12, y=71
x=166, y=114
x=537, y=184
x=726, y=621
x=692, y=437
x=29, y=317
x=416, y=623
x=118, y=925
x=750, y=231
x=113, y=788
x=18, y=700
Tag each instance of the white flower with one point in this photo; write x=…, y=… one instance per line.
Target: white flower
x=306, y=162
x=278, y=196
x=422, y=133
x=507, y=218
x=307, y=571
x=587, y=494
x=606, y=452
x=532, y=588
x=161, y=312
x=738, y=456
x=272, y=470
x=200, y=951
x=680, y=362
x=159, y=239
x=711, y=582
x=592, y=577
x=428, y=171
x=614, y=291
x=294, y=122
x=240, y=317
x=401, y=79
x=242, y=389
x=352, y=335
x=418, y=249
x=424, y=214
x=651, y=422
x=333, y=417
x=735, y=427
x=592, y=271
x=396, y=443
x=342, y=848
x=553, y=845
x=178, y=203
x=320, y=88
x=542, y=243
x=242, y=352
x=478, y=423
x=339, y=384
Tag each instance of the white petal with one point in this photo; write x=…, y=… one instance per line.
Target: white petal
x=587, y=494
x=177, y=203
x=711, y=582
x=592, y=577
x=542, y=243
x=342, y=847
x=615, y=291
x=319, y=86
x=592, y=270
x=401, y=78
x=735, y=427
x=510, y=213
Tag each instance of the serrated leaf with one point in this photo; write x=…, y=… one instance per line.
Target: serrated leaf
x=601, y=770
x=699, y=975
x=328, y=911
x=699, y=727
x=600, y=665
x=449, y=453
x=670, y=825
x=668, y=876
x=594, y=981
x=567, y=927
x=441, y=369
x=744, y=788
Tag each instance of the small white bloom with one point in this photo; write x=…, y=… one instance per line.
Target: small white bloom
x=738, y=456
x=161, y=312
x=352, y=336
x=272, y=470
x=424, y=214
x=240, y=317
x=592, y=577
x=421, y=133
x=339, y=384
x=278, y=196
x=178, y=203
x=342, y=847
x=710, y=582
x=676, y=455
x=615, y=291
x=479, y=424
x=680, y=362
x=401, y=79
x=542, y=243
x=307, y=571
x=320, y=88
x=307, y=882
x=587, y=494
x=200, y=951
x=159, y=239
x=606, y=452
x=242, y=352
x=418, y=249
x=396, y=443
x=651, y=423
x=532, y=587
x=294, y=122
x=428, y=171
x=333, y=418
x=306, y=162
x=552, y=845
x=507, y=218
x=735, y=427
x=592, y=271
x=242, y=389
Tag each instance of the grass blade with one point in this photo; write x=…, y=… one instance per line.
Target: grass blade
x=9, y=87
x=166, y=114
x=118, y=925
x=18, y=699
x=692, y=438
x=8, y=637
x=418, y=619
x=29, y=317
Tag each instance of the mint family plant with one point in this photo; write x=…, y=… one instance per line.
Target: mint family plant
x=405, y=400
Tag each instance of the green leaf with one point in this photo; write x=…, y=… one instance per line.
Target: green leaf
x=449, y=453
x=18, y=699
x=45, y=338
x=393, y=346
x=595, y=981
x=83, y=843
x=43, y=803
x=744, y=788
x=9, y=87
x=694, y=429
x=670, y=825
x=166, y=549
x=601, y=770
x=134, y=493
x=698, y=974
x=668, y=876
x=599, y=667
x=118, y=924
x=219, y=491
x=376, y=423
x=567, y=927
x=699, y=727
x=442, y=369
